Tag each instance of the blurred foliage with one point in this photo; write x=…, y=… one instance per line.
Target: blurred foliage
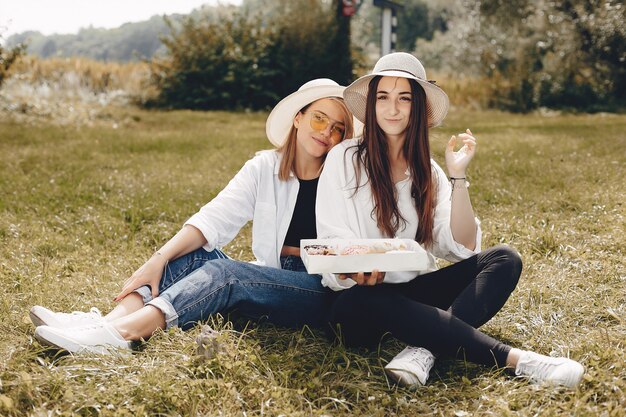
x=417, y=19
x=131, y=41
x=516, y=55
x=8, y=57
x=250, y=59
x=536, y=53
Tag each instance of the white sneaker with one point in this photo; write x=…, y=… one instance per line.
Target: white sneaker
x=41, y=316
x=100, y=338
x=556, y=371
x=411, y=367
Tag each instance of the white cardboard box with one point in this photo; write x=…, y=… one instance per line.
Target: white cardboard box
x=411, y=257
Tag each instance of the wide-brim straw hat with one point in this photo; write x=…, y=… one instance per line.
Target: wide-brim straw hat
x=280, y=120
x=398, y=64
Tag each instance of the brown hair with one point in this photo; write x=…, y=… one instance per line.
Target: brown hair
x=373, y=153
x=288, y=149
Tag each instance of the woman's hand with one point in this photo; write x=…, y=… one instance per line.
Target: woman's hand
x=148, y=274
x=458, y=161
x=362, y=278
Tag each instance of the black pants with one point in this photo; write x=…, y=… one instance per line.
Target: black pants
x=439, y=311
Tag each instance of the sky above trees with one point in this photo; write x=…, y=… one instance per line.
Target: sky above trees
x=68, y=16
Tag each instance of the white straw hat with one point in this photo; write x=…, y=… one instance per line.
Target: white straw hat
x=398, y=64
x=280, y=120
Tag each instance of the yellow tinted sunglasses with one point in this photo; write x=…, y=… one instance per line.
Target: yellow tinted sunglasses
x=319, y=122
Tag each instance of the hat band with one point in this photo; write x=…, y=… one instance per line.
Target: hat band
x=400, y=70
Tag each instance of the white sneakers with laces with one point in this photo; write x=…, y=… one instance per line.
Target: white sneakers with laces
x=41, y=316
x=411, y=367
x=100, y=338
x=546, y=369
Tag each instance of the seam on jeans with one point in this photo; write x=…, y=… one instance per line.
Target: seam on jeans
x=315, y=276
x=274, y=285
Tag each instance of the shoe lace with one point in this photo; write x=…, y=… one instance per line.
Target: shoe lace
x=91, y=326
x=421, y=357
x=93, y=312
x=537, y=369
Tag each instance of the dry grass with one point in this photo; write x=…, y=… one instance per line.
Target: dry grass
x=71, y=91
x=96, y=75
x=465, y=92
x=81, y=208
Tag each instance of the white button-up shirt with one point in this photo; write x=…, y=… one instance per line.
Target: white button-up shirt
x=342, y=214
x=255, y=193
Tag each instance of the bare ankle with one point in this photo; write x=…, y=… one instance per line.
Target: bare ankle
x=141, y=324
x=131, y=303
x=127, y=334
x=513, y=357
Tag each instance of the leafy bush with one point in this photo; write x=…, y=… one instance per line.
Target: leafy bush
x=213, y=65
x=236, y=61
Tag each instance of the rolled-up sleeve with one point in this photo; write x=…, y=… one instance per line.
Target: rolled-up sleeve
x=444, y=245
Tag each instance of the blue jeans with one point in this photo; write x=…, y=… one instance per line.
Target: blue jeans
x=179, y=268
x=200, y=284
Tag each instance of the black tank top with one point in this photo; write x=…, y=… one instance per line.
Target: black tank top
x=302, y=224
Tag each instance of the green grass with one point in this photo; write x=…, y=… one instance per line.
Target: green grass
x=81, y=208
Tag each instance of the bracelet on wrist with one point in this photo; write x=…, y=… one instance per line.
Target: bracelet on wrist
x=459, y=180
x=160, y=255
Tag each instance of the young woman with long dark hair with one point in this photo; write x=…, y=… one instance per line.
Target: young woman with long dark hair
x=385, y=185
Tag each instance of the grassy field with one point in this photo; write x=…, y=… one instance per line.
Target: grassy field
x=81, y=208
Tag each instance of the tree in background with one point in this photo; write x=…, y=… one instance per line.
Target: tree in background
x=218, y=63
x=309, y=40
x=249, y=57
x=417, y=19
x=129, y=42
x=533, y=53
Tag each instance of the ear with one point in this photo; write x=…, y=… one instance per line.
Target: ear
x=296, y=120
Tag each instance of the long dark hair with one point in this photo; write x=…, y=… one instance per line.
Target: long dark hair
x=373, y=154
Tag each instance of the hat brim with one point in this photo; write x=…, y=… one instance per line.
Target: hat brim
x=281, y=118
x=355, y=96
